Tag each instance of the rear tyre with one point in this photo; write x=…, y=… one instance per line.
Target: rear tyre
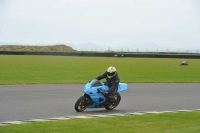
x=82, y=103
x=110, y=105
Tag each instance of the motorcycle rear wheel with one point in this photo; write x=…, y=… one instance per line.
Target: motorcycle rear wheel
x=110, y=105
x=82, y=103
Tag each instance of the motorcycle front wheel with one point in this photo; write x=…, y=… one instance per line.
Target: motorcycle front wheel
x=112, y=104
x=82, y=103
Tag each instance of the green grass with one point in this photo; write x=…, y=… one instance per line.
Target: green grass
x=161, y=123
x=68, y=69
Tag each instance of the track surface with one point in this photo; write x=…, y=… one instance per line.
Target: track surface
x=24, y=102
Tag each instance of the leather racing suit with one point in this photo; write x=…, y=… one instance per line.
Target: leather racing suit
x=111, y=82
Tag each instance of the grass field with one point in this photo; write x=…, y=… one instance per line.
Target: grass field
x=68, y=69
x=152, y=123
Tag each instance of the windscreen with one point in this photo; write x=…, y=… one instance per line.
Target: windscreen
x=96, y=83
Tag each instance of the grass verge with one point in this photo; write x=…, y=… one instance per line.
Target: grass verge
x=182, y=122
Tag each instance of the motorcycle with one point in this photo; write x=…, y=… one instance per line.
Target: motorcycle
x=94, y=96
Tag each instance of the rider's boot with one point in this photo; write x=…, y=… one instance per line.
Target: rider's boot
x=112, y=99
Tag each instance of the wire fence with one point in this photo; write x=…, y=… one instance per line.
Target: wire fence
x=146, y=50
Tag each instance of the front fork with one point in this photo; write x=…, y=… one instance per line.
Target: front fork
x=88, y=100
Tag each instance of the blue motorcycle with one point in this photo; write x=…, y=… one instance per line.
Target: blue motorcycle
x=93, y=96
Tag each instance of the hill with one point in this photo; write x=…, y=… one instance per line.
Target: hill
x=52, y=48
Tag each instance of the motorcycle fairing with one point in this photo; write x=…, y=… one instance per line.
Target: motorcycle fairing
x=91, y=89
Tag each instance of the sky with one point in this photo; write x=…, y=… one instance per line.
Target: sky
x=106, y=23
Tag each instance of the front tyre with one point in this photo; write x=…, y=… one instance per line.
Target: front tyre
x=82, y=103
x=110, y=105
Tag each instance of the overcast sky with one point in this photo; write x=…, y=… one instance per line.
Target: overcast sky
x=163, y=23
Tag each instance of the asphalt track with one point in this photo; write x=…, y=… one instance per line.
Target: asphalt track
x=24, y=102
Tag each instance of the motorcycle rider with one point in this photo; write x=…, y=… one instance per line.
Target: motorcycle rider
x=112, y=80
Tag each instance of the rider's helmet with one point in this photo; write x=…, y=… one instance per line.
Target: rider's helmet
x=111, y=72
